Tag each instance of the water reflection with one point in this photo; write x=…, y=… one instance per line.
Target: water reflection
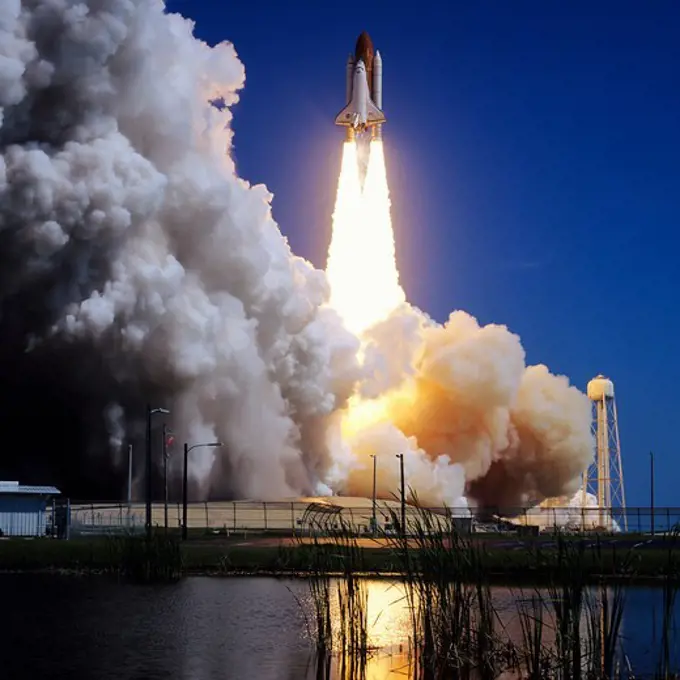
x=390, y=631
x=387, y=614
x=209, y=629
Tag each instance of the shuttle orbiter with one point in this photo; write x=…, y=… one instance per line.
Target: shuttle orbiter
x=364, y=91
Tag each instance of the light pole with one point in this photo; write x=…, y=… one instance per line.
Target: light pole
x=129, y=488
x=400, y=456
x=168, y=438
x=149, y=488
x=651, y=486
x=129, y=484
x=375, y=468
x=185, y=484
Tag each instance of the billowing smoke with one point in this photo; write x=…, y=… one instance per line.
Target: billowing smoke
x=470, y=417
x=137, y=267
x=578, y=512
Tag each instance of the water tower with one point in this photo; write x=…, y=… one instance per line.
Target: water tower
x=604, y=477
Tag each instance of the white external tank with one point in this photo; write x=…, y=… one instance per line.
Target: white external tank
x=600, y=388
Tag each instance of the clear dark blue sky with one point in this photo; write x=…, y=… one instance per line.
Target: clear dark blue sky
x=533, y=152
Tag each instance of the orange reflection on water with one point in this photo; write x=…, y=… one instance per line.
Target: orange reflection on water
x=388, y=623
x=390, y=629
x=388, y=614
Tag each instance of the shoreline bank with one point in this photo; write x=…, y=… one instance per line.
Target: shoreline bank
x=499, y=565
x=494, y=580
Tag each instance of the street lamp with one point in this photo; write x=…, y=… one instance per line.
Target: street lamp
x=168, y=439
x=400, y=456
x=185, y=484
x=129, y=483
x=651, y=486
x=149, y=489
x=375, y=467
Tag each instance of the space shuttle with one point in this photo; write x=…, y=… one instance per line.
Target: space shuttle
x=363, y=91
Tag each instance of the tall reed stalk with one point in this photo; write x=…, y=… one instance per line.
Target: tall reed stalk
x=532, y=659
x=144, y=560
x=345, y=558
x=670, y=584
x=352, y=594
x=452, y=617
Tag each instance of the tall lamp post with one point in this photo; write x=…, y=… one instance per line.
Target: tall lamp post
x=149, y=488
x=129, y=477
x=185, y=485
x=651, y=486
x=375, y=469
x=168, y=439
x=400, y=456
x=129, y=481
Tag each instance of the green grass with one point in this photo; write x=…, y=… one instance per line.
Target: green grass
x=130, y=557
x=533, y=566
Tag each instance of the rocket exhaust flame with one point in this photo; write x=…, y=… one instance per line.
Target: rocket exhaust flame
x=362, y=269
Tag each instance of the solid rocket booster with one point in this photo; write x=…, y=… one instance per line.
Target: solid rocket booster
x=363, y=91
x=350, y=73
x=377, y=91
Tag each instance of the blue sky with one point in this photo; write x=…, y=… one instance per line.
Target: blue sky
x=532, y=153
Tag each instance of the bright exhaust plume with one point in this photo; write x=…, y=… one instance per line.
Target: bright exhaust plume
x=361, y=269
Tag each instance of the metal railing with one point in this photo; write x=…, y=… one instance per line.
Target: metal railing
x=296, y=517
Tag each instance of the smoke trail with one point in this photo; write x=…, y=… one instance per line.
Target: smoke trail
x=136, y=265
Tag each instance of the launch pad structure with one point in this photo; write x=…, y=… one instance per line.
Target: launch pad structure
x=604, y=476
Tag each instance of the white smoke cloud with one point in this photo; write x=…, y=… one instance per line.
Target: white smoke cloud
x=117, y=192
x=577, y=512
x=114, y=416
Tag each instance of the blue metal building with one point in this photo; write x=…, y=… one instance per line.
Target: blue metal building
x=23, y=509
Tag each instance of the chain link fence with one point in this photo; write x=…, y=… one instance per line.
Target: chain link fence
x=304, y=517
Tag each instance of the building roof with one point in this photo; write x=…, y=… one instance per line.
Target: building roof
x=28, y=489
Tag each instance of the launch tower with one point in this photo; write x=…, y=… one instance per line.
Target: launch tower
x=604, y=477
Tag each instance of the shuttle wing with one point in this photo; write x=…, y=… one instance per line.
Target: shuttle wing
x=373, y=114
x=347, y=115
x=351, y=117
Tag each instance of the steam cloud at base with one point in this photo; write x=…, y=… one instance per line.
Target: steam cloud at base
x=471, y=418
x=136, y=266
